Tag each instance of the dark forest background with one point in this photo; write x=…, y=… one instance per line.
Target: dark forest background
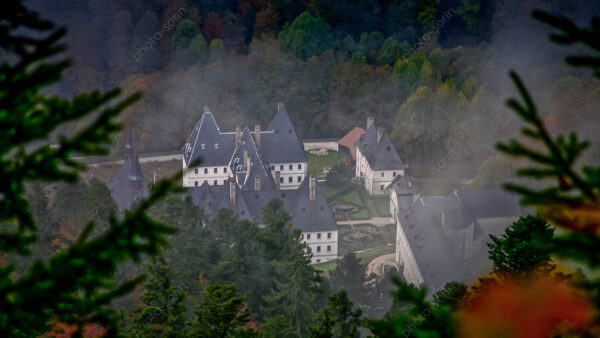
x=433, y=73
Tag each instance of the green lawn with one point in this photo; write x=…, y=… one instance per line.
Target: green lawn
x=361, y=214
x=328, y=191
x=382, y=204
x=326, y=267
x=316, y=163
x=353, y=197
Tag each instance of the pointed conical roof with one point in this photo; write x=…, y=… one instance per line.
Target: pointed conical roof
x=135, y=171
x=129, y=148
x=282, y=135
x=121, y=190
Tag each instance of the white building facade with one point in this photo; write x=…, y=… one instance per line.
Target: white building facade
x=377, y=162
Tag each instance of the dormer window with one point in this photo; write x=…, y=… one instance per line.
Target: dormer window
x=203, y=146
x=216, y=146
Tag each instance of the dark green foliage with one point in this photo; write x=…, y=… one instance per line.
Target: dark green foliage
x=524, y=248
x=340, y=173
x=338, y=318
x=452, y=295
x=296, y=286
x=74, y=286
x=222, y=313
x=307, y=36
x=163, y=297
x=349, y=275
x=419, y=318
x=571, y=34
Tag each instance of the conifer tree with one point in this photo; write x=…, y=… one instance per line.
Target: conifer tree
x=222, y=313
x=338, y=319
x=296, y=287
x=163, y=312
x=524, y=248
x=74, y=286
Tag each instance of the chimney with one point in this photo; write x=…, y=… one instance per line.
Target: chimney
x=312, y=188
x=277, y=179
x=206, y=109
x=443, y=218
x=370, y=122
x=231, y=192
x=257, y=134
x=238, y=136
x=246, y=166
x=379, y=133
x=257, y=182
x=280, y=106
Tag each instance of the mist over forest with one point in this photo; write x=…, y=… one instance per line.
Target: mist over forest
x=239, y=65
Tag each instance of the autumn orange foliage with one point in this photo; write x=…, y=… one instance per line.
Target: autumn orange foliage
x=530, y=309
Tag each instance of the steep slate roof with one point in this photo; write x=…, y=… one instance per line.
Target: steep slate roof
x=429, y=246
x=429, y=218
x=350, y=139
x=311, y=216
x=489, y=203
x=381, y=155
x=404, y=185
x=216, y=147
x=208, y=142
x=307, y=215
x=129, y=176
x=278, y=144
x=216, y=197
x=281, y=144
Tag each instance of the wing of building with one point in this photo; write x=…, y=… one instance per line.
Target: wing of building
x=278, y=147
x=377, y=162
x=443, y=238
x=244, y=170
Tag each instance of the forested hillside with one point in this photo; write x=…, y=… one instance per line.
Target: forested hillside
x=432, y=72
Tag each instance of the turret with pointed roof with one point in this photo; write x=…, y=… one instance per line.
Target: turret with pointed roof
x=129, y=184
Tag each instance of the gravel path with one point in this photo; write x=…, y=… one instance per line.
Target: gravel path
x=377, y=221
x=376, y=265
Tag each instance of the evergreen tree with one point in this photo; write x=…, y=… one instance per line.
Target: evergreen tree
x=418, y=318
x=453, y=295
x=524, y=248
x=350, y=275
x=296, y=287
x=164, y=310
x=338, y=318
x=74, y=286
x=222, y=314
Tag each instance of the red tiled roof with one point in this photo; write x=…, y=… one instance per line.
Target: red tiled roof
x=349, y=139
